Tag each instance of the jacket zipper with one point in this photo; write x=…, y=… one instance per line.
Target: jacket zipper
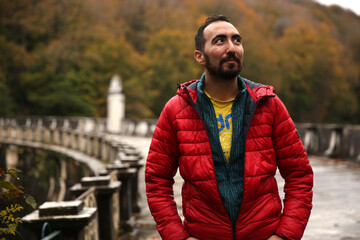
x=245, y=135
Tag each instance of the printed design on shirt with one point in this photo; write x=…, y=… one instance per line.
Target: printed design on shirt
x=225, y=133
x=224, y=122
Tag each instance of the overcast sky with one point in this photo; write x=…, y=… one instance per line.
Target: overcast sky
x=353, y=5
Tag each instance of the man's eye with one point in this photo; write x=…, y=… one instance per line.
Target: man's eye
x=219, y=41
x=238, y=40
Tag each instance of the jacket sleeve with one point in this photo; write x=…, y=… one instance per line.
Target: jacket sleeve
x=295, y=168
x=161, y=167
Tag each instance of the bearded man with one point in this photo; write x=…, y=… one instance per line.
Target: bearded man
x=228, y=136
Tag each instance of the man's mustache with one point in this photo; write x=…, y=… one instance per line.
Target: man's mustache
x=230, y=56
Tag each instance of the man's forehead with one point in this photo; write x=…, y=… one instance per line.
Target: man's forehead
x=219, y=27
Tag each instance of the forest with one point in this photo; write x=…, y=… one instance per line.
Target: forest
x=57, y=56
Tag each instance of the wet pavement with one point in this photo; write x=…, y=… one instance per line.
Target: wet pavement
x=336, y=202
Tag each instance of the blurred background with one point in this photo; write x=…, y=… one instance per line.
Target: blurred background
x=57, y=56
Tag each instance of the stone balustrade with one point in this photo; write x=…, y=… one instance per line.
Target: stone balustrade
x=84, y=136
x=113, y=186
x=107, y=201
x=332, y=140
x=113, y=190
x=88, y=135
x=110, y=194
x=71, y=218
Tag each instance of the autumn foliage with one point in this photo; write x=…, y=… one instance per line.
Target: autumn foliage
x=9, y=194
x=57, y=57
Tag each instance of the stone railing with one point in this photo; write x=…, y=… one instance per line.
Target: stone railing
x=76, y=219
x=332, y=140
x=109, y=197
x=83, y=139
x=88, y=136
x=144, y=128
x=106, y=199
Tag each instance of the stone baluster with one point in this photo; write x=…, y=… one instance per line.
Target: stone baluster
x=24, y=130
x=336, y=135
x=97, y=145
x=71, y=218
x=12, y=129
x=77, y=142
x=114, y=149
x=129, y=127
x=100, y=125
x=28, y=131
x=89, y=139
x=105, y=148
x=47, y=135
x=54, y=132
x=152, y=127
x=142, y=128
x=67, y=138
x=20, y=134
x=6, y=129
x=66, y=135
x=107, y=202
x=74, y=140
x=39, y=131
x=2, y=128
x=353, y=142
x=310, y=138
x=88, y=197
x=81, y=141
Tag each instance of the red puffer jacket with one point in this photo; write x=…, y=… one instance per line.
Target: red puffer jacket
x=180, y=141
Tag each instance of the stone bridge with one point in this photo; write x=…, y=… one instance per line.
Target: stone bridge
x=113, y=172
x=103, y=204
x=111, y=188
x=82, y=139
x=331, y=140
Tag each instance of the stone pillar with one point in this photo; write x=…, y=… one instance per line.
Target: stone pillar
x=106, y=200
x=335, y=142
x=132, y=158
x=115, y=105
x=311, y=140
x=39, y=131
x=12, y=159
x=105, y=148
x=127, y=177
x=2, y=128
x=71, y=218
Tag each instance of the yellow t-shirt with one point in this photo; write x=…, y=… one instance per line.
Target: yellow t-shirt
x=224, y=119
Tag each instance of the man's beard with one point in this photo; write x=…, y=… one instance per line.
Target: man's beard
x=226, y=74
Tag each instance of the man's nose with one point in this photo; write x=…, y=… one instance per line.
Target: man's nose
x=230, y=47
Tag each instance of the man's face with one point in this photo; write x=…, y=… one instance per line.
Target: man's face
x=223, y=50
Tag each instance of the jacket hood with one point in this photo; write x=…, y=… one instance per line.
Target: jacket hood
x=188, y=89
x=258, y=91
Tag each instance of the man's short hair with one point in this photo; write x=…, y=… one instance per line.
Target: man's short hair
x=199, y=37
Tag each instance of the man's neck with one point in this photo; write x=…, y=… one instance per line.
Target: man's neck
x=221, y=89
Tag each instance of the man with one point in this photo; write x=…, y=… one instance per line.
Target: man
x=227, y=135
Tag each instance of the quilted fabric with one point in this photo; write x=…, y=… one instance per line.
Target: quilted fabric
x=180, y=142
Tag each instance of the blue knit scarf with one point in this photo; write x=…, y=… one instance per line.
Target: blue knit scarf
x=229, y=176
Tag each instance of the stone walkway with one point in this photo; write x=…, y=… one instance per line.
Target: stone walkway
x=336, y=211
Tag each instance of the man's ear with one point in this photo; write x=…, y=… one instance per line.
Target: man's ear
x=199, y=57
